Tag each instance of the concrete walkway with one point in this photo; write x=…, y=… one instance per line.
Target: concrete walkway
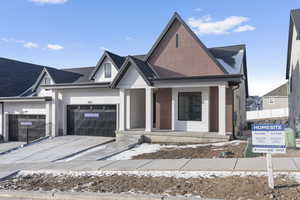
x=4, y=147
x=218, y=164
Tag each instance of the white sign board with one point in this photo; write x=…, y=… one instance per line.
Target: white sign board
x=268, y=138
x=91, y=115
x=26, y=123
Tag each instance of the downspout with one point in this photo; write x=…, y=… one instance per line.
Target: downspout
x=233, y=128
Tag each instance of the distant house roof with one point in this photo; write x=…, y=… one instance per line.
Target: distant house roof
x=16, y=76
x=294, y=21
x=280, y=91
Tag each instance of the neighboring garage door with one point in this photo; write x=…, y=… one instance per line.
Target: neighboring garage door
x=19, y=125
x=92, y=120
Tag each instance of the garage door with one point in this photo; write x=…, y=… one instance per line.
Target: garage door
x=92, y=120
x=19, y=125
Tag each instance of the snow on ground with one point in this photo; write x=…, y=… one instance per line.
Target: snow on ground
x=176, y=174
x=151, y=148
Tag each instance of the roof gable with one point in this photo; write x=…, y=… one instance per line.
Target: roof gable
x=115, y=59
x=191, y=58
x=279, y=91
x=141, y=68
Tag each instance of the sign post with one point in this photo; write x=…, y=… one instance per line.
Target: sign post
x=26, y=124
x=269, y=139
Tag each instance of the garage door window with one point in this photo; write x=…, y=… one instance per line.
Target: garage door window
x=189, y=106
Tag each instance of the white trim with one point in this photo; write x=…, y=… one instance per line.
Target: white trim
x=222, y=110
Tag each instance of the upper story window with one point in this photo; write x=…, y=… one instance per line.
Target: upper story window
x=177, y=40
x=271, y=100
x=46, y=80
x=107, y=70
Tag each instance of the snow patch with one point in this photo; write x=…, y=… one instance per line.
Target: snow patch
x=151, y=148
x=236, y=69
x=176, y=174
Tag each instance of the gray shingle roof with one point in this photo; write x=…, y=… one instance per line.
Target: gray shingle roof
x=16, y=76
x=280, y=91
x=231, y=57
x=84, y=73
x=118, y=60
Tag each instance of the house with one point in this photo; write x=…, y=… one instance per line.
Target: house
x=179, y=87
x=253, y=103
x=292, y=70
x=277, y=98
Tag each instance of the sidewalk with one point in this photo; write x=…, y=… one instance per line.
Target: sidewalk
x=218, y=164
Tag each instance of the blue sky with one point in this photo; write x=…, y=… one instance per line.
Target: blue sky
x=73, y=33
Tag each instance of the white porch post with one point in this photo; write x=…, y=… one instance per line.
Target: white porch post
x=54, y=113
x=48, y=118
x=222, y=109
x=122, y=110
x=149, y=110
x=127, y=109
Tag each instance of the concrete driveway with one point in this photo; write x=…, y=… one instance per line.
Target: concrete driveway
x=9, y=145
x=53, y=149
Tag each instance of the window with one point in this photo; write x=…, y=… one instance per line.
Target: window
x=177, y=40
x=271, y=100
x=46, y=80
x=189, y=106
x=107, y=68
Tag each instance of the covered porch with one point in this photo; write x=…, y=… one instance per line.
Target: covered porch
x=188, y=111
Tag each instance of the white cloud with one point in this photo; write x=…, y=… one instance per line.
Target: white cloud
x=128, y=38
x=205, y=25
x=198, y=9
x=55, y=47
x=31, y=45
x=244, y=28
x=49, y=1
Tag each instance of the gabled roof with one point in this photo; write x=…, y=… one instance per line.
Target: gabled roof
x=142, y=67
x=57, y=76
x=176, y=16
x=279, y=91
x=85, y=73
x=116, y=59
x=16, y=76
x=294, y=21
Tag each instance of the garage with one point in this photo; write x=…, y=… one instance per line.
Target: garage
x=91, y=120
x=26, y=127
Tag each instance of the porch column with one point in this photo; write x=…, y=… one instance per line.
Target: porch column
x=127, y=109
x=54, y=114
x=222, y=109
x=122, y=110
x=48, y=118
x=149, y=110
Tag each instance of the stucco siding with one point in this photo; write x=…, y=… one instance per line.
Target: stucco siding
x=189, y=59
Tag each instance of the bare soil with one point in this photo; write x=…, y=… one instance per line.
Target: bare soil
x=236, y=151
x=233, y=187
x=290, y=152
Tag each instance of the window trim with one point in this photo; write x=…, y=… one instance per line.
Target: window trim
x=201, y=107
x=106, y=75
x=177, y=41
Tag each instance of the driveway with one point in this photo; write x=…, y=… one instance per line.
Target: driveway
x=53, y=149
x=9, y=145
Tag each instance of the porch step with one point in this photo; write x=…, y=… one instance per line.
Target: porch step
x=177, y=137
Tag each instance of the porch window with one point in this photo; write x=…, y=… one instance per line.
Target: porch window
x=107, y=68
x=189, y=106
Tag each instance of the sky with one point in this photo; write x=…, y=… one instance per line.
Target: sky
x=74, y=33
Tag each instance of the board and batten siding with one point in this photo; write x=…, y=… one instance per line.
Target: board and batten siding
x=193, y=126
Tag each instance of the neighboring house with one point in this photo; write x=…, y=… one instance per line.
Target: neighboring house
x=277, y=98
x=293, y=71
x=253, y=103
x=180, y=85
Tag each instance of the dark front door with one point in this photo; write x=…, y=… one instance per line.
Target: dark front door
x=92, y=120
x=21, y=126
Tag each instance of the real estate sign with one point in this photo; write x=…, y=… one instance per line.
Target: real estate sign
x=268, y=138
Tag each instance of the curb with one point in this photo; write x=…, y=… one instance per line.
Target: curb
x=87, y=196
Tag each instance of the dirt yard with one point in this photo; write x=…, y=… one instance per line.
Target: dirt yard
x=209, y=151
x=233, y=187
